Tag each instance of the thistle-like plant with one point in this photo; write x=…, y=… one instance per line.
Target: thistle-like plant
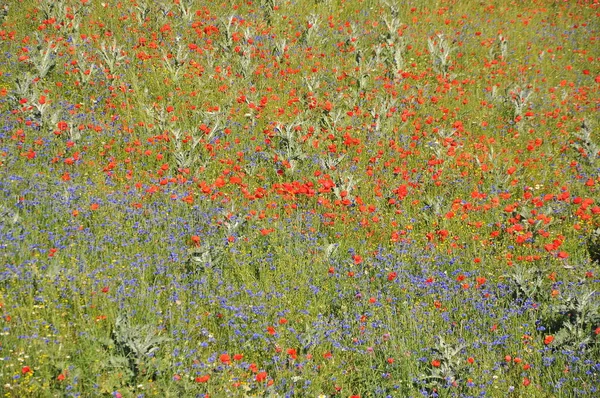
x=394, y=45
x=142, y=10
x=307, y=36
x=288, y=147
x=279, y=49
x=344, y=185
x=440, y=49
x=447, y=365
x=331, y=250
x=437, y=143
x=268, y=7
x=231, y=222
x=111, y=55
x=330, y=120
x=210, y=252
x=23, y=86
x=363, y=75
x=185, y=10
x=520, y=99
x=503, y=45
x=52, y=118
x=209, y=59
x=158, y=118
x=246, y=66
x=49, y=8
x=213, y=119
x=393, y=8
x=41, y=109
x=498, y=49
x=526, y=283
x=63, y=14
x=11, y=223
x=574, y=319
x=186, y=156
x=174, y=62
x=3, y=12
x=332, y=162
x=132, y=346
x=226, y=29
x=434, y=206
x=585, y=146
x=311, y=82
x=399, y=53
x=185, y=149
x=593, y=246
x=44, y=59
x=85, y=68
x=204, y=257
x=380, y=111
x=345, y=182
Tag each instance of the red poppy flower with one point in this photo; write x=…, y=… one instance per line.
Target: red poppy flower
x=225, y=358
x=62, y=125
x=261, y=376
x=563, y=254
x=292, y=353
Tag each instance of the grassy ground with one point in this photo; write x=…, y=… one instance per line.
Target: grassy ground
x=309, y=198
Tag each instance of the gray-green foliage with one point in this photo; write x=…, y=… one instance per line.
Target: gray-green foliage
x=593, y=246
x=44, y=58
x=450, y=365
x=10, y=221
x=112, y=55
x=573, y=320
x=440, y=49
x=131, y=346
x=526, y=283
x=586, y=147
x=210, y=252
x=288, y=146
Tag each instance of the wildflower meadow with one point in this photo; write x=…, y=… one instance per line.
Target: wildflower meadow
x=299, y=198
